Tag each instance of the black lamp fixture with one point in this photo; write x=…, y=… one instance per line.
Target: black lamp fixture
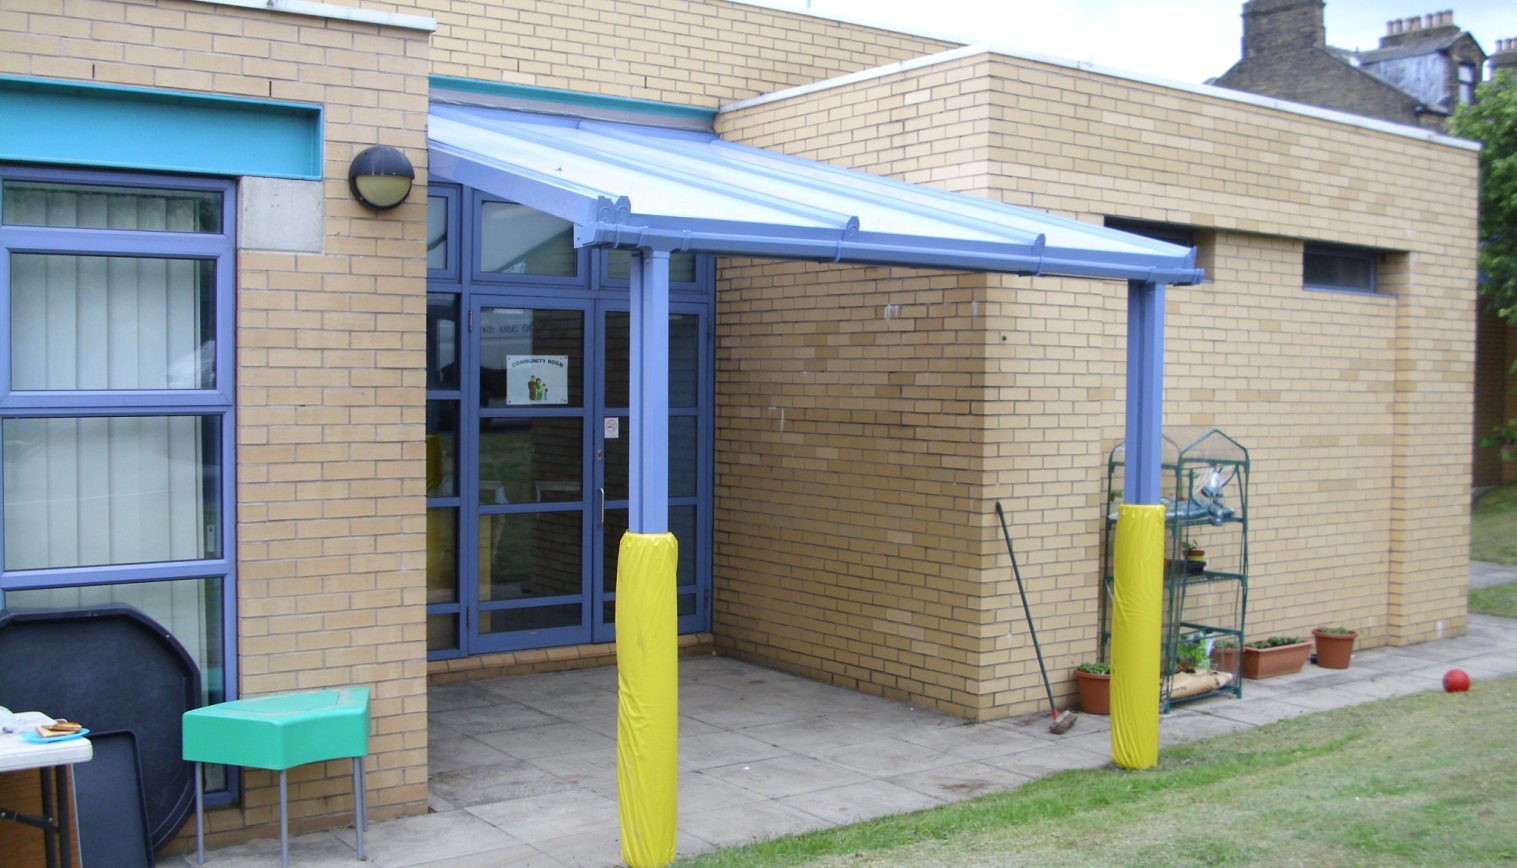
x=381, y=177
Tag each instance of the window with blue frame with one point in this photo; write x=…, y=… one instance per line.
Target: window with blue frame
x=1344, y=269
x=116, y=404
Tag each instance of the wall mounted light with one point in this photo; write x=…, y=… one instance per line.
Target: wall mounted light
x=381, y=177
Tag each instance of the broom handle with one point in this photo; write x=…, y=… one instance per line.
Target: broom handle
x=1027, y=610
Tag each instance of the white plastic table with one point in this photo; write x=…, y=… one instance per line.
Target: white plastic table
x=54, y=760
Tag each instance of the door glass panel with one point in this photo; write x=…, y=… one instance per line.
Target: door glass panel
x=612, y=530
x=530, y=460
x=682, y=458
x=538, y=554
x=442, y=341
x=681, y=266
x=531, y=357
x=442, y=448
x=531, y=618
x=112, y=322
x=442, y=556
x=684, y=359
x=681, y=524
x=515, y=239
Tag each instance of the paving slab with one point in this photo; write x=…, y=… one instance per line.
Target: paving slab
x=854, y=803
x=765, y=753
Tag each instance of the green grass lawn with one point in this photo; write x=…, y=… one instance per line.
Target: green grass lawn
x=1420, y=780
x=1495, y=600
x=1493, y=526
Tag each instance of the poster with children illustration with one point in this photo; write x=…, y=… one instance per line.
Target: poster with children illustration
x=537, y=380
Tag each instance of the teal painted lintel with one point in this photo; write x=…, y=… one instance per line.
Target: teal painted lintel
x=87, y=124
x=574, y=98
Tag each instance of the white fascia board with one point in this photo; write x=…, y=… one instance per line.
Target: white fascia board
x=333, y=11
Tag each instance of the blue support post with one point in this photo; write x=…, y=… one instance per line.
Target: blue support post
x=1145, y=390
x=649, y=473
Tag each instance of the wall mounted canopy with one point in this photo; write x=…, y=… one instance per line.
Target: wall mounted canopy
x=381, y=177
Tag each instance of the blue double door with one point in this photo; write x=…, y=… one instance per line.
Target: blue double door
x=545, y=468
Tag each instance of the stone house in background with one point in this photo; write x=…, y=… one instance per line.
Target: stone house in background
x=1424, y=68
x=362, y=509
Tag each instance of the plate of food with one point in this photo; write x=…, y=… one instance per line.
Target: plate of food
x=60, y=730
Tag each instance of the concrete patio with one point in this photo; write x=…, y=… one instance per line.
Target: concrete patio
x=523, y=770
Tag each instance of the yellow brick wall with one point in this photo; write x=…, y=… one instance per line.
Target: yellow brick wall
x=330, y=355
x=690, y=52
x=1356, y=409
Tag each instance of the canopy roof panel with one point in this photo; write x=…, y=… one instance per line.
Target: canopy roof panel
x=631, y=186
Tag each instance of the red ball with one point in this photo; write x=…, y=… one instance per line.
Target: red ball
x=1456, y=681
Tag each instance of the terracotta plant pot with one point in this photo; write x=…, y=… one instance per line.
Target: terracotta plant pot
x=1095, y=692
x=1280, y=660
x=1334, y=649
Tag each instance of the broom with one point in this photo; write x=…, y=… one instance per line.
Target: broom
x=1062, y=720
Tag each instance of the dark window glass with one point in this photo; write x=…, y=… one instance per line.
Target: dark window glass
x=682, y=453
x=442, y=556
x=530, y=618
x=442, y=341
x=531, y=357
x=527, y=555
x=515, y=239
x=681, y=524
x=681, y=266
x=437, y=232
x=1343, y=268
x=442, y=448
x=684, y=359
x=442, y=632
x=530, y=460
x=1168, y=232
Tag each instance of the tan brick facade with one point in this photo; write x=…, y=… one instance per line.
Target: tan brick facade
x=330, y=355
x=1356, y=408
x=867, y=418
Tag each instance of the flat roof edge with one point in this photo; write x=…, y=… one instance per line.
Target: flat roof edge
x=1222, y=93
x=333, y=11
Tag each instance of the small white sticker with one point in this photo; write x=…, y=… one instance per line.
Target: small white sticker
x=613, y=427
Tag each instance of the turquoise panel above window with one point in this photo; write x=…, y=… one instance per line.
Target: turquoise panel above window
x=78, y=124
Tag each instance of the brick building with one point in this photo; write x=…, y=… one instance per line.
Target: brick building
x=847, y=430
x=1423, y=69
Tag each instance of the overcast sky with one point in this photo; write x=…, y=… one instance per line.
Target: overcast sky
x=1183, y=40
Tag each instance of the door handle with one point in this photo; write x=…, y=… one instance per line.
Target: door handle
x=602, y=507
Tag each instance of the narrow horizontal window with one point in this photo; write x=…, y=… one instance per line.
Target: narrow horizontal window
x=1348, y=269
x=99, y=206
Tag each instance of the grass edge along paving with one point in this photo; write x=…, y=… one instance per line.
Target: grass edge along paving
x=1409, y=780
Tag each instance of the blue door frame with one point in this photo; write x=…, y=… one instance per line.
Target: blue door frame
x=591, y=500
x=595, y=296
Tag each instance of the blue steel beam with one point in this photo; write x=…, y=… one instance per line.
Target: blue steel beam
x=1145, y=390
x=649, y=471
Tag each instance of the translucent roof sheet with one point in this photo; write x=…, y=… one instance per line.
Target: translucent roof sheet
x=625, y=185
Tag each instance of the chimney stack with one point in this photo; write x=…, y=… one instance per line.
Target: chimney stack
x=1273, y=27
x=1505, y=55
x=1401, y=30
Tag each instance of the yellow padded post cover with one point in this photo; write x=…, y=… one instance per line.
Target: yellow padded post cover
x=1137, y=607
x=647, y=718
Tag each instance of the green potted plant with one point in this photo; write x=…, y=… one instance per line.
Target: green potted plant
x=1277, y=655
x=1335, y=645
x=1195, y=558
x=1094, y=682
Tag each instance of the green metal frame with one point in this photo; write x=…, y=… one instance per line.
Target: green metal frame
x=1204, y=604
